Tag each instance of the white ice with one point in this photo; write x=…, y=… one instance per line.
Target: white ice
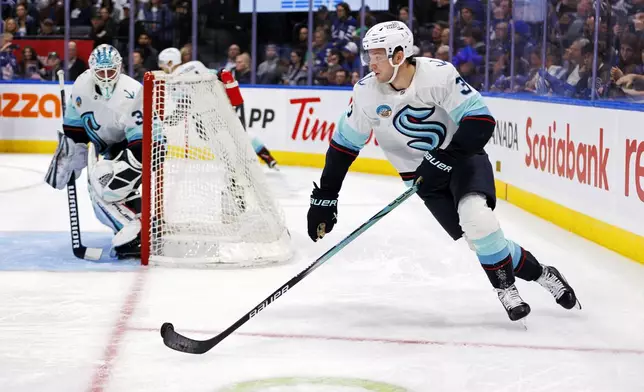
x=402, y=305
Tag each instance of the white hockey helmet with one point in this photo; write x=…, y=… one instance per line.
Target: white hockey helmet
x=105, y=63
x=169, y=58
x=388, y=36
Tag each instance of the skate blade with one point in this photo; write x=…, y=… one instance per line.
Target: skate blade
x=578, y=305
x=523, y=323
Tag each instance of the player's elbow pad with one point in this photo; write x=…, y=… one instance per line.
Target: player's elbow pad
x=336, y=166
x=472, y=135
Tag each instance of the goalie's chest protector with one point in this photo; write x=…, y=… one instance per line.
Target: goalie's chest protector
x=106, y=122
x=407, y=123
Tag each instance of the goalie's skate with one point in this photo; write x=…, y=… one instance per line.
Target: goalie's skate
x=131, y=249
x=512, y=302
x=552, y=280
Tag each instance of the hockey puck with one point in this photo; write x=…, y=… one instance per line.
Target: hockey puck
x=165, y=328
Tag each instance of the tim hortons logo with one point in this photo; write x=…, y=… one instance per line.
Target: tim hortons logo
x=309, y=127
x=581, y=162
x=267, y=302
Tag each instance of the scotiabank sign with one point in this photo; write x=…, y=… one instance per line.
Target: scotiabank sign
x=588, y=159
x=30, y=111
x=304, y=120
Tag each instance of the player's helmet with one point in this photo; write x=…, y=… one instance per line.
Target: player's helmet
x=388, y=36
x=169, y=58
x=105, y=63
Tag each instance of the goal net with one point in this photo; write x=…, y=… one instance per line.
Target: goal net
x=205, y=200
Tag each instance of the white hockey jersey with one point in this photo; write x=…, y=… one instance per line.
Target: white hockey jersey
x=409, y=122
x=192, y=67
x=106, y=122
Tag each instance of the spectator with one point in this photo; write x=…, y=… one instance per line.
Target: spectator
x=183, y=23
x=443, y=53
x=52, y=66
x=150, y=54
x=439, y=10
x=343, y=26
x=186, y=53
x=137, y=62
x=351, y=59
x=296, y=75
x=322, y=20
x=108, y=22
x=233, y=52
x=159, y=23
x=99, y=34
x=321, y=49
x=30, y=66
x=576, y=28
x=355, y=77
x=53, y=10
x=26, y=23
x=75, y=66
x=242, y=69
x=123, y=29
x=47, y=28
x=267, y=71
x=302, y=39
x=81, y=14
x=11, y=27
x=341, y=77
x=8, y=62
x=403, y=16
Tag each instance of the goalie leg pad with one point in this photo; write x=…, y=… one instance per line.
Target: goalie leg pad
x=114, y=180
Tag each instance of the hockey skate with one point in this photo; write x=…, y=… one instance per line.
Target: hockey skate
x=131, y=249
x=266, y=156
x=512, y=302
x=552, y=280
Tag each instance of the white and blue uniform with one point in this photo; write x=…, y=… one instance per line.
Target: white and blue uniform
x=106, y=122
x=410, y=122
x=111, y=126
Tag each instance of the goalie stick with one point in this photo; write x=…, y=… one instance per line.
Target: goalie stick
x=178, y=342
x=80, y=251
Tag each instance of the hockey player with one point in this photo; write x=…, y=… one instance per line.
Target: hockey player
x=105, y=109
x=170, y=63
x=430, y=123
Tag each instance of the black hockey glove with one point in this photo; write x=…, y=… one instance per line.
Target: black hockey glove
x=323, y=213
x=436, y=170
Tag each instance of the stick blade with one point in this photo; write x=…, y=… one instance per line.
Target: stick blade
x=181, y=343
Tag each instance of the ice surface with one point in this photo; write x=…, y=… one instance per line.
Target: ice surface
x=403, y=305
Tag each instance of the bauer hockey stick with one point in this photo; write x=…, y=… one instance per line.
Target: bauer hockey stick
x=80, y=251
x=181, y=343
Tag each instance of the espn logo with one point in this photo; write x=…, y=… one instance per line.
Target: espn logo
x=27, y=105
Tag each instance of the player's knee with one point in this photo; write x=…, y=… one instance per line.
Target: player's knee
x=480, y=226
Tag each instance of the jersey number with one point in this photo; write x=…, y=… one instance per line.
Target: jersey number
x=92, y=127
x=139, y=117
x=466, y=87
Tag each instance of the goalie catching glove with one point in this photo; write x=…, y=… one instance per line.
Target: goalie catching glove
x=70, y=157
x=114, y=180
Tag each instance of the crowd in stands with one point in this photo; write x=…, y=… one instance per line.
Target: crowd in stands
x=511, y=48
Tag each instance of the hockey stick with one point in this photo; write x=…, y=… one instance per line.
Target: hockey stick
x=80, y=251
x=181, y=343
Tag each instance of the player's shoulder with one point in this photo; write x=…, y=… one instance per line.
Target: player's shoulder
x=83, y=85
x=434, y=71
x=192, y=67
x=128, y=84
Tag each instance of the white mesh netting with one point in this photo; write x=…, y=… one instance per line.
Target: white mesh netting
x=210, y=203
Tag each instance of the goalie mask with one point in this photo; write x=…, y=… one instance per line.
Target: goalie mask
x=105, y=64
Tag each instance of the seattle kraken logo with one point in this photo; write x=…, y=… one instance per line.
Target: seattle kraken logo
x=92, y=127
x=412, y=122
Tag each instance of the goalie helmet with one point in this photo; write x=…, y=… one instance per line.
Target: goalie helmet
x=105, y=63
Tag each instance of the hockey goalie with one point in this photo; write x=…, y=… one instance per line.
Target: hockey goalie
x=105, y=110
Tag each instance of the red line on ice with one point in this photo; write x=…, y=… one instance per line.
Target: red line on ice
x=102, y=372
x=597, y=350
